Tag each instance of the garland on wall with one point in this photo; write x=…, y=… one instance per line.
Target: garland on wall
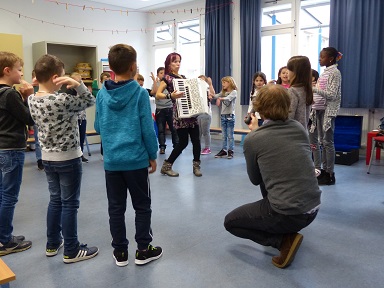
x=126, y=11
x=122, y=12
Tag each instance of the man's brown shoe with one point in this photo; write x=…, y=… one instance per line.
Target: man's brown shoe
x=288, y=249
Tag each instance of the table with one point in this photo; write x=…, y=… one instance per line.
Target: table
x=370, y=135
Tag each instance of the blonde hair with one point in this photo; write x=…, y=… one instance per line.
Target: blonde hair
x=140, y=77
x=272, y=102
x=231, y=82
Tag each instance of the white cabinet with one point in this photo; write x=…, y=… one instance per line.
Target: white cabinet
x=71, y=54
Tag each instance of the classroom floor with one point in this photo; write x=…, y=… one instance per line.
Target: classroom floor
x=341, y=248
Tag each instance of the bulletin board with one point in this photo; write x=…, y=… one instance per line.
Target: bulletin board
x=12, y=43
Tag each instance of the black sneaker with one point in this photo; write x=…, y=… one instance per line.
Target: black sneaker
x=121, y=258
x=83, y=253
x=40, y=165
x=222, y=153
x=162, y=151
x=328, y=179
x=322, y=175
x=52, y=250
x=230, y=154
x=148, y=255
x=83, y=159
x=14, y=246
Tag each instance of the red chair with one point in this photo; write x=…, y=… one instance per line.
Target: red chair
x=378, y=143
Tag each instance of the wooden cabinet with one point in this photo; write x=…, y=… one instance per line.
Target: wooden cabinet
x=71, y=55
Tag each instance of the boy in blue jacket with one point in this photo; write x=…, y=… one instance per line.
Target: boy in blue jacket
x=124, y=122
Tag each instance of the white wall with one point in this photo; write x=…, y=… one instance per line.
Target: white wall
x=35, y=31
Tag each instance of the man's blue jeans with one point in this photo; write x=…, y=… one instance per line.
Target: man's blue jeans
x=11, y=169
x=64, y=181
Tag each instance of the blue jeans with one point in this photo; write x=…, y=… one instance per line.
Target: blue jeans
x=82, y=132
x=165, y=116
x=64, y=181
x=11, y=173
x=227, y=127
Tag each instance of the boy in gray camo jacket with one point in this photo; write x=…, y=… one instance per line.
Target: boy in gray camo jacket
x=55, y=114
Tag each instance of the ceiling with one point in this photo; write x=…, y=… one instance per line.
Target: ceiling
x=144, y=5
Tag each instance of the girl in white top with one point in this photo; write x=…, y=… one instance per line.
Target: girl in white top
x=258, y=80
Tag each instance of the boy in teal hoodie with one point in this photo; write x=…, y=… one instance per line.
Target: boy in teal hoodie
x=124, y=122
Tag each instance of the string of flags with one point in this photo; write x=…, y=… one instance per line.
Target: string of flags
x=106, y=10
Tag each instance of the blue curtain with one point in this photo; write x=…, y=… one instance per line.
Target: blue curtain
x=218, y=41
x=250, y=33
x=357, y=31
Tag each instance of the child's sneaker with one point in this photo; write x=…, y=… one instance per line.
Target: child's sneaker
x=222, y=153
x=14, y=246
x=83, y=253
x=52, y=250
x=121, y=257
x=205, y=151
x=40, y=165
x=19, y=238
x=148, y=255
x=230, y=154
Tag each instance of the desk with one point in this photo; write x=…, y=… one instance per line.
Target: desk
x=370, y=135
x=6, y=274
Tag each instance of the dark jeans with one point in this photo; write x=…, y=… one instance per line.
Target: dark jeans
x=194, y=133
x=64, y=182
x=165, y=116
x=260, y=223
x=11, y=173
x=137, y=182
x=82, y=131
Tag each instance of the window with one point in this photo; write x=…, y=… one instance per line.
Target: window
x=282, y=38
x=164, y=33
x=186, y=41
x=277, y=15
x=188, y=45
x=314, y=29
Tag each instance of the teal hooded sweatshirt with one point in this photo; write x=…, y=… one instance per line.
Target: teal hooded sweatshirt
x=124, y=122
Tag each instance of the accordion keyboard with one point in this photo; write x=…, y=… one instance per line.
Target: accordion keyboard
x=194, y=100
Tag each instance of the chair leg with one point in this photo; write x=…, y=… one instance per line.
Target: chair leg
x=86, y=143
x=372, y=152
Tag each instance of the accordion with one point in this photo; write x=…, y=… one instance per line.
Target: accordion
x=194, y=101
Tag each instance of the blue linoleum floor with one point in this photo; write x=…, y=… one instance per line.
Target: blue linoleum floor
x=343, y=247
